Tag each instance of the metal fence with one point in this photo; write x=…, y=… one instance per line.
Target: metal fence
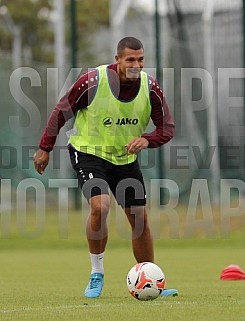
x=201, y=56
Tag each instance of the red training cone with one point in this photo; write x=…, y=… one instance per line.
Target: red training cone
x=232, y=272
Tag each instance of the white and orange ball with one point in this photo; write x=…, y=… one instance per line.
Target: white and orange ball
x=145, y=281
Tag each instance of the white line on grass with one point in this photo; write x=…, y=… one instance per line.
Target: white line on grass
x=61, y=307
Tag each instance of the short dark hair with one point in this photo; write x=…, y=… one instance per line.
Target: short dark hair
x=129, y=42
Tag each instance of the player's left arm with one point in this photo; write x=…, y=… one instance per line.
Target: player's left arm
x=161, y=117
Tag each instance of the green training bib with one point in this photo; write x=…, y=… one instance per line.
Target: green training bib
x=108, y=124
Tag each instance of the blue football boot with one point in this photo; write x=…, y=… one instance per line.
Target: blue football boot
x=95, y=285
x=169, y=292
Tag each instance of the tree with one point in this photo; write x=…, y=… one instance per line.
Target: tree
x=34, y=17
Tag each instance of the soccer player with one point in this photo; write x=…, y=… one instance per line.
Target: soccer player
x=113, y=105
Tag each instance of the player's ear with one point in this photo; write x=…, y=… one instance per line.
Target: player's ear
x=117, y=58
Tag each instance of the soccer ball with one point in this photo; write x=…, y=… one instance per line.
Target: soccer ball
x=145, y=281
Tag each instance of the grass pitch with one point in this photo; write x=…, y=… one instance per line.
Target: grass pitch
x=44, y=278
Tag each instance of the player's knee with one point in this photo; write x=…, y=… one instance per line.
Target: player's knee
x=100, y=210
x=100, y=205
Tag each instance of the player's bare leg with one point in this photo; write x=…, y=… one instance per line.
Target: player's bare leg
x=96, y=229
x=142, y=241
x=97, y=235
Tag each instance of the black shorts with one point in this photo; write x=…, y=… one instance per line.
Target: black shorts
x=97, y=175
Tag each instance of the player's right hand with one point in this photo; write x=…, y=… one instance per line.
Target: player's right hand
x=41, y=160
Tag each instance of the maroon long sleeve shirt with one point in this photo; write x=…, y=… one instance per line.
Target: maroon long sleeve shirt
x=82, y=93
